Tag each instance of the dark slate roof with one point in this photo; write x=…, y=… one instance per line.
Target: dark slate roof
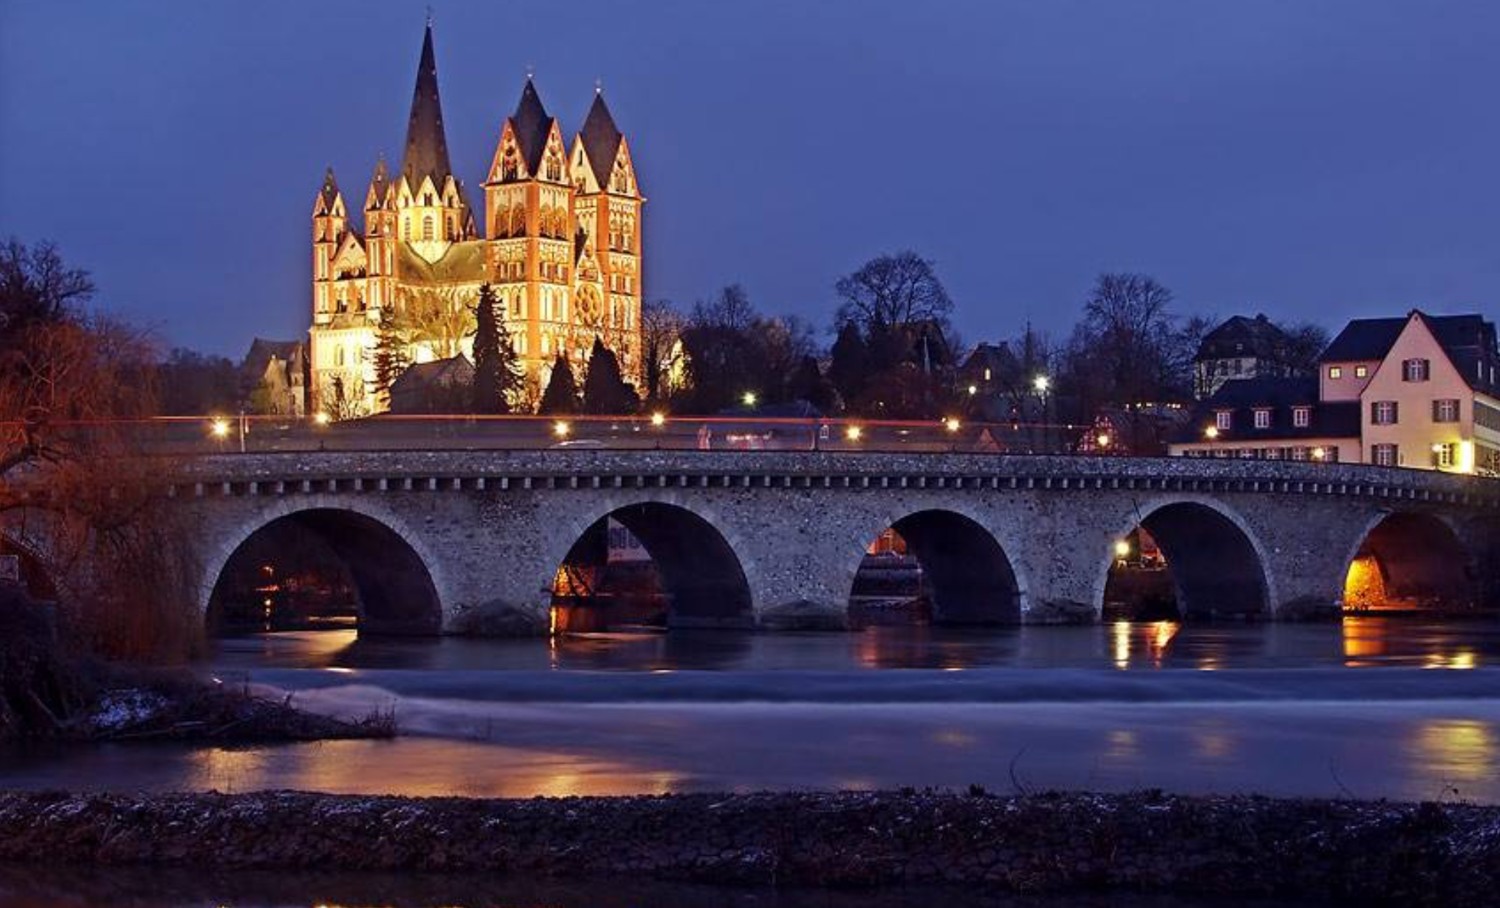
x=262, y=351
x=463, y=263
x=426, y=145
x=448, y=371
x=1364, y=339
x=531, y=125
x=1241, y=336
x=1469, y=340
x=1243, y=396
x=996, y=357
x=601, y=140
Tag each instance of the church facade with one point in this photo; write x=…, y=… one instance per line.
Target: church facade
x=558, y=240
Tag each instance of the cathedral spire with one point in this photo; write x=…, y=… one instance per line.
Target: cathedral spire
x=426, y=145
x=532, y=125
x=328, y=193
x=601, y=138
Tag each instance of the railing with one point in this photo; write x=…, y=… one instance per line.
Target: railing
x=202, y=435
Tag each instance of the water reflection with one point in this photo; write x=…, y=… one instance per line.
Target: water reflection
x=1356, y=642
x=1457, y=750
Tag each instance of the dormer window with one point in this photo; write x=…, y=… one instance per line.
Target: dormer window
x=1262, y=418
x=1223, y=420
x=1301, y=417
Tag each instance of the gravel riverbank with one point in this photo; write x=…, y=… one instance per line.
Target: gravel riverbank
x=1369, y=852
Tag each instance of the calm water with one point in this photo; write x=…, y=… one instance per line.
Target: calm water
x=1375, y=707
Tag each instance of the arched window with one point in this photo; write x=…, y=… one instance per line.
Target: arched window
x=427, y=227
x=554, y=167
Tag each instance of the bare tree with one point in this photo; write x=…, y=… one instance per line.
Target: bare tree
x=37, y=287
x=892, y=291
x=661, y=347
x=1305, y=343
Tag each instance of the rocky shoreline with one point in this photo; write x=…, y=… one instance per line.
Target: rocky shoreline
x=1318, y=850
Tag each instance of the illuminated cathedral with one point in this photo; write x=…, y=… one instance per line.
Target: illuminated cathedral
x=560, y=244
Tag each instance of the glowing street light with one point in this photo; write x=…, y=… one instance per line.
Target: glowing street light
x=1211, y=433
x=658, y=419
x=322, y=418
x=952, y=424
x=749, y=399
x=561, y=429
x=1041, y=383
x=853, y=433
x=219, y=428
x=1319, y=453
x=1122, y=548
x=1103, y=440
x=973, y=389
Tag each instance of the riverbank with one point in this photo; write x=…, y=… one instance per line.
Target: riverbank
x=1367, y=852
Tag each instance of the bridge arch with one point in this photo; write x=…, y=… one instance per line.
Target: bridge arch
x=1217, y=564
x=384, y=563
x=1412, y=557
x=699, y=577
x=966, y=570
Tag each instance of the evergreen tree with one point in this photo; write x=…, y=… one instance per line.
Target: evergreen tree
x=849, y=369
x=391, y=354
x=807, y=382
x=604, y=389
x=496, y=373
x=561, y=396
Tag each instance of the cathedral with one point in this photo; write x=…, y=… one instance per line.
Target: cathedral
x=560, y=245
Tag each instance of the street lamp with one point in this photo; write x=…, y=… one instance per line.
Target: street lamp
x=749, y=399
x=1103, y=440
x=853, y=433
x=1041, y=383
x=560, y=429
x=658, y=419
x=322, y=418
x=952, y=424
x=1211, y=433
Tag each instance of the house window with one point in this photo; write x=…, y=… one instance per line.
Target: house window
x=1443, y=454
x=1301, y=417
x=1247, y=453
x=1262, y=418
x=986, y=374
x=1273, y=453
x=428, y=229
x=338, y=355
x=1361, y=371
x=1445, y=410
x=1383, y=455
x=1223, y=420
x=1384, y=413
x=1299, y=453
x=1414, y=370
x=1335, y=372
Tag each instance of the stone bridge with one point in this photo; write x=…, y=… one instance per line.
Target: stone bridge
x=448, y=541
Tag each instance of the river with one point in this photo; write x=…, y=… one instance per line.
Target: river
x=1373, y=707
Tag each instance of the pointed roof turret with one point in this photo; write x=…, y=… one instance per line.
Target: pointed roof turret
x=426, y=145
x=532, y=126
x=601, y=139
x=379, y=181
x=327, y=194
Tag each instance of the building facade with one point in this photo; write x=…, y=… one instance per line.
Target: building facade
x=1417, y=391
x=559, y=240
x=1239, y=348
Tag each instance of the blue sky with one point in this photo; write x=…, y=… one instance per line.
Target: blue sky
x=1310, y=159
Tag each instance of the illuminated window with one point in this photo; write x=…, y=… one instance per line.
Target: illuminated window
x=1301, y=417
x=428, y=228
x=1335, y=372
x=1361, y=371
x=1444, y=455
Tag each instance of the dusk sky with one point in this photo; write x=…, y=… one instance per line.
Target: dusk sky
x=1310, y=159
